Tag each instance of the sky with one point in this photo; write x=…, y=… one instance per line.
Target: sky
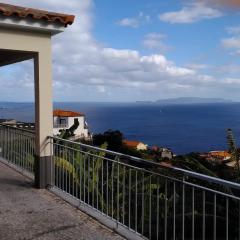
x=137, y=50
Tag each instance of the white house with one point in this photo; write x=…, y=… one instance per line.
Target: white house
x=135, y=145
x=63, y=119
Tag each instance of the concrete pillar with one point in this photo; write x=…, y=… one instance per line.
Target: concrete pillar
x=43, y=117
x=27, y=45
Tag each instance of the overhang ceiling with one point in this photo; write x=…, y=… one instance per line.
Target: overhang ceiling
x=9, y=56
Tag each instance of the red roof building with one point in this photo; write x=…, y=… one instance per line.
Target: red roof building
x=65, y=113
x=64, y=119
x=22, y=12
x=135, y=145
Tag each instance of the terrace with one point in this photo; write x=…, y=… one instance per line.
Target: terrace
x=22, y=206
x=136, y=198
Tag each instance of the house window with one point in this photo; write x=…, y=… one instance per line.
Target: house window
x=76, y=121
x=63, y=121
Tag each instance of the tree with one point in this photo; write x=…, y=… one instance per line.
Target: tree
x=233, y=149
x=67, y=133
x=112, y=138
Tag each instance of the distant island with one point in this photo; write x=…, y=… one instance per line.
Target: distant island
x=187, y=100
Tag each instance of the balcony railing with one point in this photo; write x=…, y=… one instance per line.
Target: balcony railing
x=143, y=198
x=17, y=147
x=138, y=198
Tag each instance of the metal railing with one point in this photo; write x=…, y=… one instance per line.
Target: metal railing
x=142, y=199
x=17, y=148
x=139, y=199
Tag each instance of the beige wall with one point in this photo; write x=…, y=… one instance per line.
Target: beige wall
x=24, y=40
x=40, y=45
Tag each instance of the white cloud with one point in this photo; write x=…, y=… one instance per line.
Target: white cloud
x=190, y=13
x=134, y=22
x=196, y=66
x=17, y=79
x=155, y=41
x=233, y=30
x=233, y=42
x=84, y=70
x=128, y=22
x=235, y=81
x=101, y=89
x=228, y=69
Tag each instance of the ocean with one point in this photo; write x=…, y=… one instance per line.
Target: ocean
x=183, y=128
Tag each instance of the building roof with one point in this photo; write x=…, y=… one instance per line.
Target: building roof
x=8, y=10
x=132, y=144
x=221, y=154
x=66, y=113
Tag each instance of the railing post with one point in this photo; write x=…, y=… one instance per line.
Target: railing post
x=44, y=167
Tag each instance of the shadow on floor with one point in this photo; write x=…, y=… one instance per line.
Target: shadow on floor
x=16, y=182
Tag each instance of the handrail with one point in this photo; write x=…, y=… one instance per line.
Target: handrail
x=18, y=149
x=132, y=195
x=184, y=172
x=17, y=128
x=143, y=199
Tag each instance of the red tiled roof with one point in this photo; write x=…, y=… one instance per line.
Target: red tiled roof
x=64, y=113
x=132, y=144
x=220, y=154
x=22, y=12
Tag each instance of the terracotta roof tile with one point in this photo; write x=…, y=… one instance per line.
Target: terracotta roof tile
x=22, y=12
x=221, y=154
x=65, y=113
x=132, y=144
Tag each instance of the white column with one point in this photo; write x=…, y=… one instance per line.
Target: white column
x=43, y=116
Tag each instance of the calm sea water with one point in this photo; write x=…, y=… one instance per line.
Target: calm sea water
x=183, y=128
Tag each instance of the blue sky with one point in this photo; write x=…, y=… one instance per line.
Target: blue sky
x=187, y=42
x=137, y=50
